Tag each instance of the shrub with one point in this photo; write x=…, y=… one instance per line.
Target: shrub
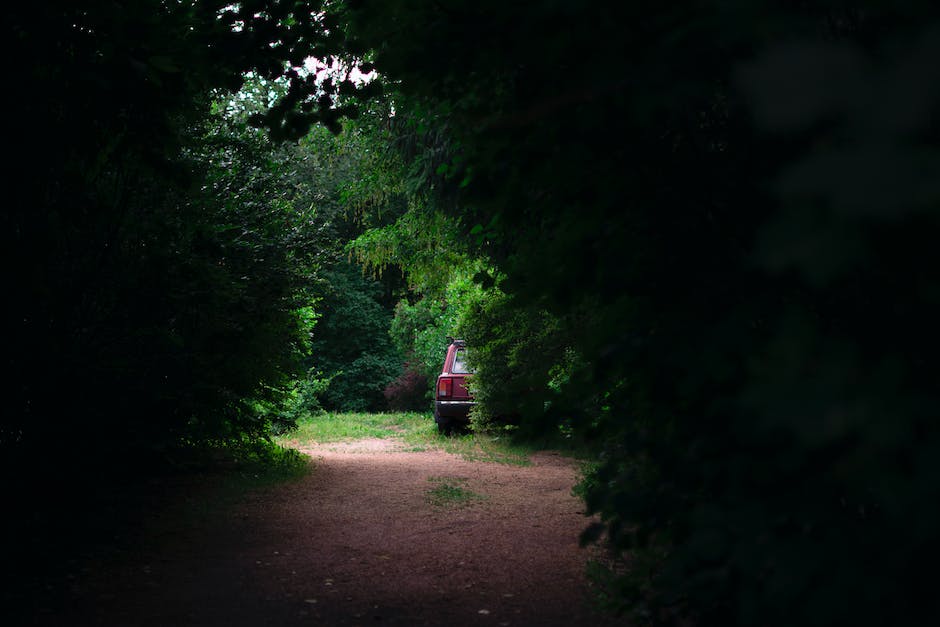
x=408, y=392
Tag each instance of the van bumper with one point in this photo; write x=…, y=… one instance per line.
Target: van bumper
x=452, y=410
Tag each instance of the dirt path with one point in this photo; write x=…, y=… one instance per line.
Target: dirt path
x=356, y=542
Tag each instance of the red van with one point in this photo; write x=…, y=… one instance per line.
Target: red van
x=452, y=401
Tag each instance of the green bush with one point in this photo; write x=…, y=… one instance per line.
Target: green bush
x=351, y=344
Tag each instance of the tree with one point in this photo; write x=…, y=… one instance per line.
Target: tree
x=144, y=300
x=725, y=222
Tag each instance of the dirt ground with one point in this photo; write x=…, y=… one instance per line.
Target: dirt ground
x=357, y=542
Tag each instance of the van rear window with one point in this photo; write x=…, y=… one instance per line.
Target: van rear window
x=460, y=362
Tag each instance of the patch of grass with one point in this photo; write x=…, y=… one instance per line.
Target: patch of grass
x=480, y=447
x=450, y=492
x=337, y=427
x=275, y=464
x=416, y=430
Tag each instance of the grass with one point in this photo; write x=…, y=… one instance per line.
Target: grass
x=450, y=492
x=416, y=431
x=483, y=447
x=328, y=427
x=276, y=464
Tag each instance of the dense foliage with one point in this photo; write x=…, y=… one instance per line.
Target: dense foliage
x=352, y=346
x=346, y=181
x=715, y=222
x=159, y=264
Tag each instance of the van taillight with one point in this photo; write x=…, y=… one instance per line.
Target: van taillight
x=444, y=387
